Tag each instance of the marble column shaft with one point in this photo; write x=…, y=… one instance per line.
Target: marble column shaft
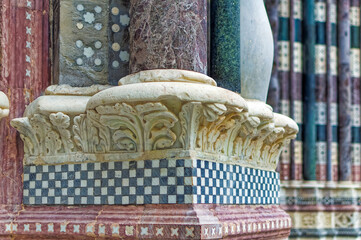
x=225, y=43
x=274, y=90
x=309, y=146
x=344, y=91
x=168, y=35
x=25, y=71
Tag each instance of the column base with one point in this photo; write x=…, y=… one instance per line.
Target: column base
x=163, y=221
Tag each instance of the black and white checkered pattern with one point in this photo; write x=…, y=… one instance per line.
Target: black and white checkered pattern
x=232, y=184
x=148, y=182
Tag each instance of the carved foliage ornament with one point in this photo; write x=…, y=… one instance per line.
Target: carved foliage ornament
x=213, y=128
x=122, y=127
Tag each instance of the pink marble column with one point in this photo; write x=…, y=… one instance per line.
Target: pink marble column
x=168, y=34
x=24, y=61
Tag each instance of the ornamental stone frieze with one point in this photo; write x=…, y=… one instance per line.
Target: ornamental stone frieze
x=152, y=114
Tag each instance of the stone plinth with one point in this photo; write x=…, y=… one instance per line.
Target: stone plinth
x=179, y=221
x=186, y=161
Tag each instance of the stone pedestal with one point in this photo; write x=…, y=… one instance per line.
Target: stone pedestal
x=153, y=158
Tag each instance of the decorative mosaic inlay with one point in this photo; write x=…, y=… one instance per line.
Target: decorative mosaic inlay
x=149, y=182
x=118, y=40
x=166, y=231
x=29, y=39
x=94, y=46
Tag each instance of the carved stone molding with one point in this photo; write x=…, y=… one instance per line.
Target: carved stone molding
x=138, y=120
x=187, y=221
x=4, y=105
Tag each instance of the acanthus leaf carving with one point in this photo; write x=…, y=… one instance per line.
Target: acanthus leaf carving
x=231, y=131
x=144, y=127
x=158, y=122
x=45, y=135
x=190, y=119
x=41, y=127
x=62, y=123
x=122, y=117
x=52, y=143
x=80, y=132
x=213, y=128
x=99, y=135
x=213, y=110
x=28, y=135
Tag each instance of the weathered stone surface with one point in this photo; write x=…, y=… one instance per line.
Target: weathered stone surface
x=93, y=42
x=168, y=35
x=65, y=89
x=164, y=75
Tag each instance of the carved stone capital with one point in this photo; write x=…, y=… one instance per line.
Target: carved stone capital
x=180, y=113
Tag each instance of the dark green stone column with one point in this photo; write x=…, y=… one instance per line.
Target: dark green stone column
x=309, y=146
x=225, y=43
x=242, y=47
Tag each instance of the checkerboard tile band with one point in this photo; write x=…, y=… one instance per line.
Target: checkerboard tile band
x=162, y=181
x=232, y=184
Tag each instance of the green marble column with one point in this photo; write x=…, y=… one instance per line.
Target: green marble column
x=309, y=146
x=225, y=43
x=242, y=47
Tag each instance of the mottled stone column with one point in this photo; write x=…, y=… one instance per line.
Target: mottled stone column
x=24, y=74
x=225, y=43
x=344, y=91
x=355, y=89
x=168, y=34
x=309, y=146
x=242, y=47
x=273, y=98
